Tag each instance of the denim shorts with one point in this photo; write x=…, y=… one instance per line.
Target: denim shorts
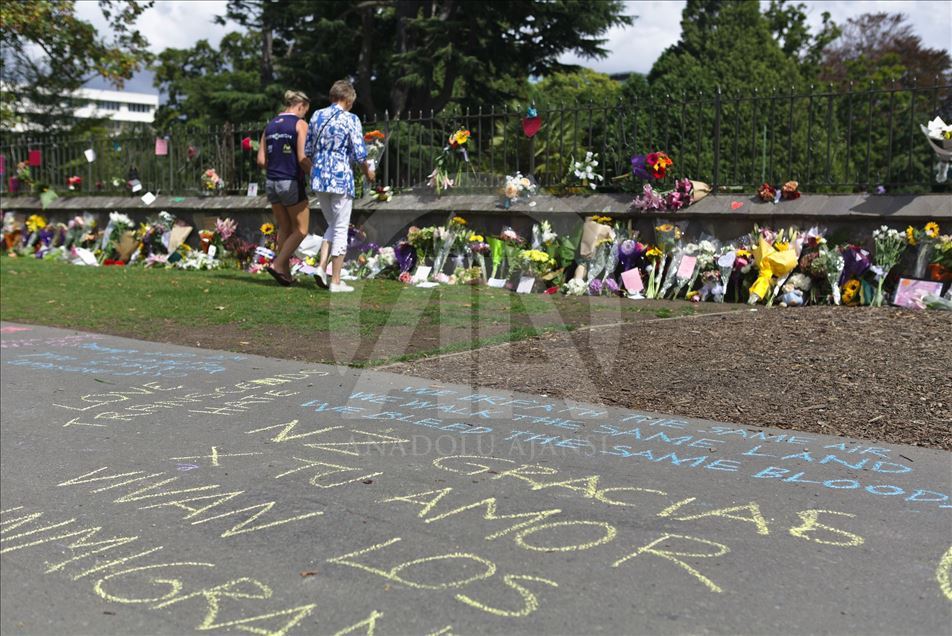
x=285, y=192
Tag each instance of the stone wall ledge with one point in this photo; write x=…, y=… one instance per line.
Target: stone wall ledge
x=839, y=206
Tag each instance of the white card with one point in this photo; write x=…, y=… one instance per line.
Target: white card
x=498, y=283
x=212, y=250
x=90, y=155
x=252, y=189
x=525, y=285
x=136, y=185
x=421, y=274
x=148, y=198
x=425, y=284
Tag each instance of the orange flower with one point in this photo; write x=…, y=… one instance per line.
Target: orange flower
x=373, y=135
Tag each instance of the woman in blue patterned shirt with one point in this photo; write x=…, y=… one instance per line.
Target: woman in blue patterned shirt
x=335, y=141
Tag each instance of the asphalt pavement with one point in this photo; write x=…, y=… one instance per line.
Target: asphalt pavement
x=158, y=489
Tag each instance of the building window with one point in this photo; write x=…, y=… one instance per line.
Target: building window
x=108, y=105
x=140, y=108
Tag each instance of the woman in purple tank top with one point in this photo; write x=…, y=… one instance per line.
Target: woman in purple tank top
x=281, y=151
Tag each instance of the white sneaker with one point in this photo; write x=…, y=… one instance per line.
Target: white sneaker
x=341, y=287
x=321, y=277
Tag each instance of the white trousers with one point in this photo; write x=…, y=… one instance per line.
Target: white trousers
x=336, y=209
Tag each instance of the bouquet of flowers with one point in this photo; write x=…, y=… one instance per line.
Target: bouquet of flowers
x=831, y=263
x=584, y=170
x=788, y=191
x=421, y=239
x=517, y=187
x=667, y=236
x=649, y=200
x=374, y=141
x=535, y=263
x=268, y=235
x=651, y=166
x=480, y=250
x=382, y=194
x=890, y=244
x=74, y=182
x=11, y=231
x=453, y=153
x=940, y=268
x=34, y=224
x=115, y=235
x=198, y=260
x=511, y=244
x=924, y=241
x=680, y=197
x=606, y=287
x=211, y=182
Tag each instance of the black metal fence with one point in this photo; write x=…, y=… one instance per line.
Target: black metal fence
x=828, y=140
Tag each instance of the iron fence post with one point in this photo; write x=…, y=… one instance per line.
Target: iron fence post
x=717, y=138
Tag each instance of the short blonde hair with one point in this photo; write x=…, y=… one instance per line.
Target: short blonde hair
x=343, y=91
x=293, y=98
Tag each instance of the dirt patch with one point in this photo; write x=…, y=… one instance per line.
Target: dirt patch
x=878, y=374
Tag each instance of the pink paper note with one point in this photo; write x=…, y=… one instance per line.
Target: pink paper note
x=736, y=205
x=161, y=147
x=686, y=268
x=909, y=293
x=35, y=158
x=632, y=280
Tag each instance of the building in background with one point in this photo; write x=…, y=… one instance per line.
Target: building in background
x=118, y=109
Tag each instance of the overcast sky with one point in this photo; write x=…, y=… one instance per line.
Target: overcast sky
x=179, y=24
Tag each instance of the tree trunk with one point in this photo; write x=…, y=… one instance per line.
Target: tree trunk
x=267, y=56
x=364, y=63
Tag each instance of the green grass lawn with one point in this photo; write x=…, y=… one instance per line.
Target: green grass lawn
x=382, y=321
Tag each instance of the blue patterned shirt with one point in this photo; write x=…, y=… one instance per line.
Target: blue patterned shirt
x=341, y=144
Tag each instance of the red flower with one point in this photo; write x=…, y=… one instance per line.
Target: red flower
x=111, y=261
x=246, y=144
x=551, y=290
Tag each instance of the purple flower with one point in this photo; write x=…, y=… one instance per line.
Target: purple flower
x=855, y=263
x=639, y=167
x=595, y=287
x=630, y=252
x=405, y=255
x=611, y=286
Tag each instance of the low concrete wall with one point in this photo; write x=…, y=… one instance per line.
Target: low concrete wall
x=723, y=216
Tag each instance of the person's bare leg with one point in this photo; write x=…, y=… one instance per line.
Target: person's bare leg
x=284, y=224
x=325, y=253
x=338, y=265
x=298, y=217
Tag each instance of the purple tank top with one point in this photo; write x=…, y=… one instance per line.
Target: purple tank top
x=280, y=138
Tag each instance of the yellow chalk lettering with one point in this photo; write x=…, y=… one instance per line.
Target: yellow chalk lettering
x=340, y=447
x=392, y=573
x=756, y=517
x=13, y=524
x=588, y=490
x=810, y=524
x=530, y=602
x=219, y=498
x=367, y=626
x=670, y=510
x=602, y=495
x=440, y=462
x=10, y=548
x=609, y=533
x=88, y=478
x=310, y=463
x=175, y=586
x=418, y=499
x=3, y=512
x=239, y=528
x=285, y=434
x=523, y=472
x=490, y=515
x=109, y=564
x=943, y=574
x=137, y=495
x=673, y=556
x=83, y=542
x=120, y=484
x=446, y=631
x=232, y=590
x=215, y=456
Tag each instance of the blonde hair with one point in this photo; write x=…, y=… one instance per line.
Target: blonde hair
x=343, y=91
x=293, y=98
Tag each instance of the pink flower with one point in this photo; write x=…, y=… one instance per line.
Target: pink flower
x=405, y=277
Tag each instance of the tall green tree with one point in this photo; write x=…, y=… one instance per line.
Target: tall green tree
x=48, y=52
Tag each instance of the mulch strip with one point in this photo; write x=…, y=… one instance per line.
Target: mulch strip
x=876, y=374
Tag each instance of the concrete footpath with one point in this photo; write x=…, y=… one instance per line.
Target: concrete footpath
x=159, y=489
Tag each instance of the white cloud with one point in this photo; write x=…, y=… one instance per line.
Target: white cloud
x=658, y=26
x=170, y=23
